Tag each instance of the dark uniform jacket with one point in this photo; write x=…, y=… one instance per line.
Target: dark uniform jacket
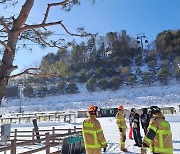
x=145, y=118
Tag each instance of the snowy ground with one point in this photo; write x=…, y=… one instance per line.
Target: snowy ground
x=129, y=97
x=139, y=96
x=111, y=133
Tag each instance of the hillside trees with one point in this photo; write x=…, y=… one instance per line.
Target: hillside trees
x=115, y=59
x=168, y=43
x=163, y=75
x=14, y=29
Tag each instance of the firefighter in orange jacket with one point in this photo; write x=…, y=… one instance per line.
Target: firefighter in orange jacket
x=159, y=136
x=93, y=135
x=121, y=123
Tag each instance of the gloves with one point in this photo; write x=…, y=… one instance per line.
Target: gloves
x=105, y=148
x=120, y=129
x=143, y=150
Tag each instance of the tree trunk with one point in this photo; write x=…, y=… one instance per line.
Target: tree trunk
x=6, y=65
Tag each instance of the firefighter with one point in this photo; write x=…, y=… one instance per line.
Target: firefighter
x=159, y=136
x=121, y=123
x=93, y=135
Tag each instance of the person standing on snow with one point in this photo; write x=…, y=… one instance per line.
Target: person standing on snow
x=130, y=123
x=121, y=123
x=159, y=136
x=136, y=128
x=93, y=135
x=145, y=118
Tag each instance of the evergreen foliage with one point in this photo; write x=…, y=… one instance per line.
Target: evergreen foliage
x=112, y=60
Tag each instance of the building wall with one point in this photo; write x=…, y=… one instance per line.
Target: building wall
x=12, y=92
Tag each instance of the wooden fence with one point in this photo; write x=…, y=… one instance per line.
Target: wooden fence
x=48, y=139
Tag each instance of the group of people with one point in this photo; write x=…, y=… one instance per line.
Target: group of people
x=135, y=119
x=157, y=132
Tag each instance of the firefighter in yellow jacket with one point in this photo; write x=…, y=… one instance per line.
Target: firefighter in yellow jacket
x=159, y=136
x=121, y=123
x=93, y=134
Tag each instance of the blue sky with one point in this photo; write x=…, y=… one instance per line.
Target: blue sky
x=134, y=16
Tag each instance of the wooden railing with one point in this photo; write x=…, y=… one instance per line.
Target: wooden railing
x=48, y=139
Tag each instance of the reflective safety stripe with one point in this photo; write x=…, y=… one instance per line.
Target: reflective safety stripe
x=88, y=124
x=164, y=132
x=89, y=131
x=165, y=124
x=146, y=139
x=122, y=119
x=122, y=126
x=91, y=146
x=122, y=142
x=94, y=133
x=152, y=127
x=161, y=150
x=104, y=143
x=161, y=138
x=99, y=130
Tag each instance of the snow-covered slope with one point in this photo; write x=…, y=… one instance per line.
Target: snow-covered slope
x=133, y=97
x=141, y=96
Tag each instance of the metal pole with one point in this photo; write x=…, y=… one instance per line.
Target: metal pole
x=20, y=109
x=141, y=42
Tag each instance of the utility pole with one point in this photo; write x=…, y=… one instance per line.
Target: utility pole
x=20, y=93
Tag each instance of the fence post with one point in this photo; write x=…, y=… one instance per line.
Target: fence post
x=69, y=118
x=47, y=143
x=74, y=128
x=15, y=134
x=53, y=133
x=13, y=145
x=33, y=134
x=69, y=131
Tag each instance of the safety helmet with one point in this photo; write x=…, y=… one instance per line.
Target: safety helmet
x=93, y=108
x=120, y=107
x=133, y=110
x=144, y=110
x=154, y=110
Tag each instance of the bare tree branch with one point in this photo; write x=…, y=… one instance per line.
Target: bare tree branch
x=81, y=35
x=4, y=25
x=51, y=45
x=50, y=5
x=38, y=26
x=27, y=71
x=6, y=46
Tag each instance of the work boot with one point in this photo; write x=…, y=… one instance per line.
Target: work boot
x=136, y=144
x=124, y=150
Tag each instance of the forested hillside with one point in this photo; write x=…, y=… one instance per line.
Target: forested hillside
x=108, y=62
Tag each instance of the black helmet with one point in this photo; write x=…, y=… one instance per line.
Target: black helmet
x=154, y=110
x=133, y=110
x=144, y=110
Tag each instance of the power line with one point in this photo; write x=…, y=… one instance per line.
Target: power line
x=41, y=20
